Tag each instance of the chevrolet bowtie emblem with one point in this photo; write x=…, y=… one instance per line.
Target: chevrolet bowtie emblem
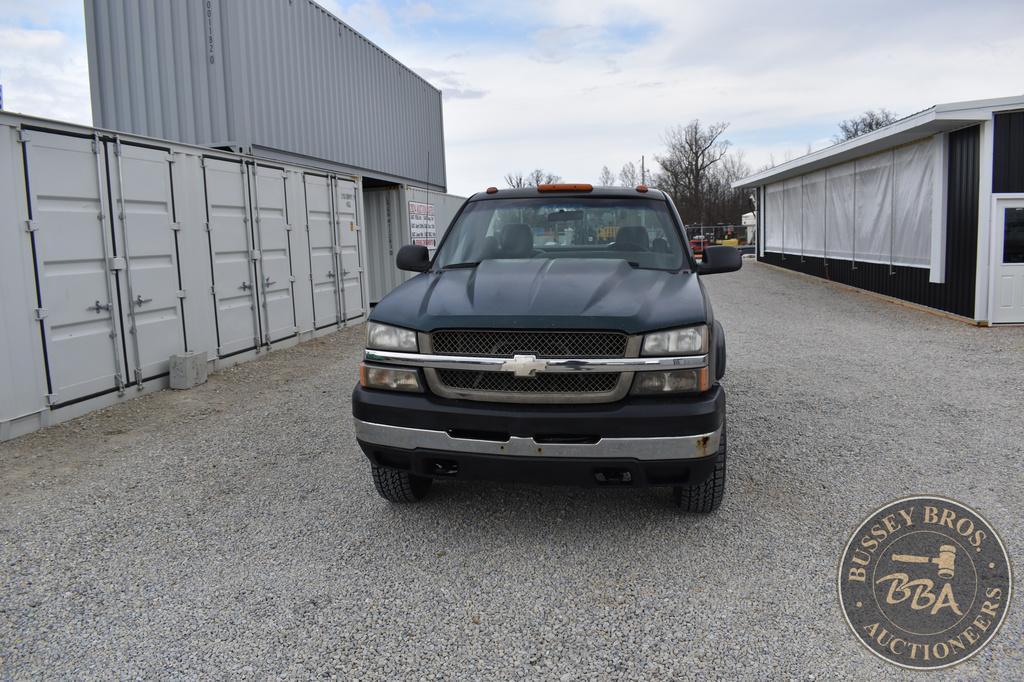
x=524, y=365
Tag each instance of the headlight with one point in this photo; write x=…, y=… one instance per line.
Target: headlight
x=686, y=341
x=386, y=337
x=675, y=381
x=390, y=378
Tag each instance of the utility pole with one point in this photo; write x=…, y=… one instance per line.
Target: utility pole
x=643, y=171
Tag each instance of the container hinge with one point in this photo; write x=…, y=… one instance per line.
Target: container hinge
x=30, y=226
x=202, y=162
x=337, y=248
x=41, y=313
x=51, y=399
x=291, y=278
x=170, y=157
x=116, y=263
x=352, y=227
x=23, y=136
x=288, y=227
x=213, y=290
x=181, y=293
x=117, y=146
x=176, y=227
x=206, y=226
x=254, y=254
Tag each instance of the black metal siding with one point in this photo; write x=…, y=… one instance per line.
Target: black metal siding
x=956, y=295
x=1008, y=153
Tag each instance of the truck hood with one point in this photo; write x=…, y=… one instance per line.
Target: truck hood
x=560, y=293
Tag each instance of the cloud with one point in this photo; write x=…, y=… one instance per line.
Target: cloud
x=45, y=73
x=450, y=83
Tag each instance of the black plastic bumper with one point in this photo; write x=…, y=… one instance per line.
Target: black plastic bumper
x=576, y=471
x=629, y=418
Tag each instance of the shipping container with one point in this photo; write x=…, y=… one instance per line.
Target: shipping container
x=119, y=251
x=263, y=77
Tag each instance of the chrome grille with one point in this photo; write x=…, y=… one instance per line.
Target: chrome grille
x=543, y=344
x=506, y=382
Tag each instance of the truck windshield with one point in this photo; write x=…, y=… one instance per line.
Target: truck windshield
x=640, y=231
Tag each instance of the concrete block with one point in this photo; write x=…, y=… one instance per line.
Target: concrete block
x=188, y=370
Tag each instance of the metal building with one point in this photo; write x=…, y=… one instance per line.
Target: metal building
x=929, y=210
x=270, y=77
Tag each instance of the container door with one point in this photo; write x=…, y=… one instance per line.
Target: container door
x=1009, y=261
x=350, y=248
x=273, y=240
x=323, y=268
x=147, y=234
x=231, y=256
x=72, y=237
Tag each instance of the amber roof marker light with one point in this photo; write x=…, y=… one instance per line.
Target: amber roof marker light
x=492, y=190
x=641, y=188
x=566, y=187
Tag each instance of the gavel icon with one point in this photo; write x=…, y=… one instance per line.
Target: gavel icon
x=945, y=561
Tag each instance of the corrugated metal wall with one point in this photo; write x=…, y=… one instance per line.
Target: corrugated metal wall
x=1008, y=153
x=388, y=228
x=956, y=295
x=281, y=74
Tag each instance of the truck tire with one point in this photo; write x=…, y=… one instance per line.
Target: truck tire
x=705, y=497
x=401, y=487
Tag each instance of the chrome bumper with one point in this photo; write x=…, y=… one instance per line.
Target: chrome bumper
x=669, y=447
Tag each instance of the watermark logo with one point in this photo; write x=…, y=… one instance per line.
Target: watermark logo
x=924, y=582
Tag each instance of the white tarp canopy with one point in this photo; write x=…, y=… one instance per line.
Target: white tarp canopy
x=876, y=209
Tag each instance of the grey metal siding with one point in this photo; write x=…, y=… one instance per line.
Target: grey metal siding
x=277, y=74
x=956, y=295
x=1008, y=153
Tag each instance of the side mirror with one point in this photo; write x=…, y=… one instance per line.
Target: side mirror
x=413, y=257
x=719, y=259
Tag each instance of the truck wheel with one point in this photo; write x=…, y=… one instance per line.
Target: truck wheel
x=704, y=497
x=396, y=485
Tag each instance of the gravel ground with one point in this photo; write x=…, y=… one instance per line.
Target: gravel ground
x=234, y=529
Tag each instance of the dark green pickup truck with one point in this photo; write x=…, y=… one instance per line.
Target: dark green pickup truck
x=561, y=334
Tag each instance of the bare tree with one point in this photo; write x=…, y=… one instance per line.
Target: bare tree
x=542, y=177
x=692, y=151
x=536, y=177
x=607, y=178
x=865, y=123
x=629, y=176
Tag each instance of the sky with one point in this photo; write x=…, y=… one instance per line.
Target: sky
x=573, y=85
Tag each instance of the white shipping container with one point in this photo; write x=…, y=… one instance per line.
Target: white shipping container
x=118, y=251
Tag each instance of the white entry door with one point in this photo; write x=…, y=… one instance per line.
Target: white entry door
x=1009, y=261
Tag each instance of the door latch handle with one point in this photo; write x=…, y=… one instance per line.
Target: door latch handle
x=330, y=273
x=99, y=307
x=141, y=301
x=269, y=281
x=245, y=286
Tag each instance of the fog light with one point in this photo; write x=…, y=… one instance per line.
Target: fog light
x=675, y=381
x=389, y=378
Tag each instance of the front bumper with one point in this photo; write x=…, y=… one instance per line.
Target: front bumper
x=637, y=441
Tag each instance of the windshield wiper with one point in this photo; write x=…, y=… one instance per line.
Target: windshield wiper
x=467, y=264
